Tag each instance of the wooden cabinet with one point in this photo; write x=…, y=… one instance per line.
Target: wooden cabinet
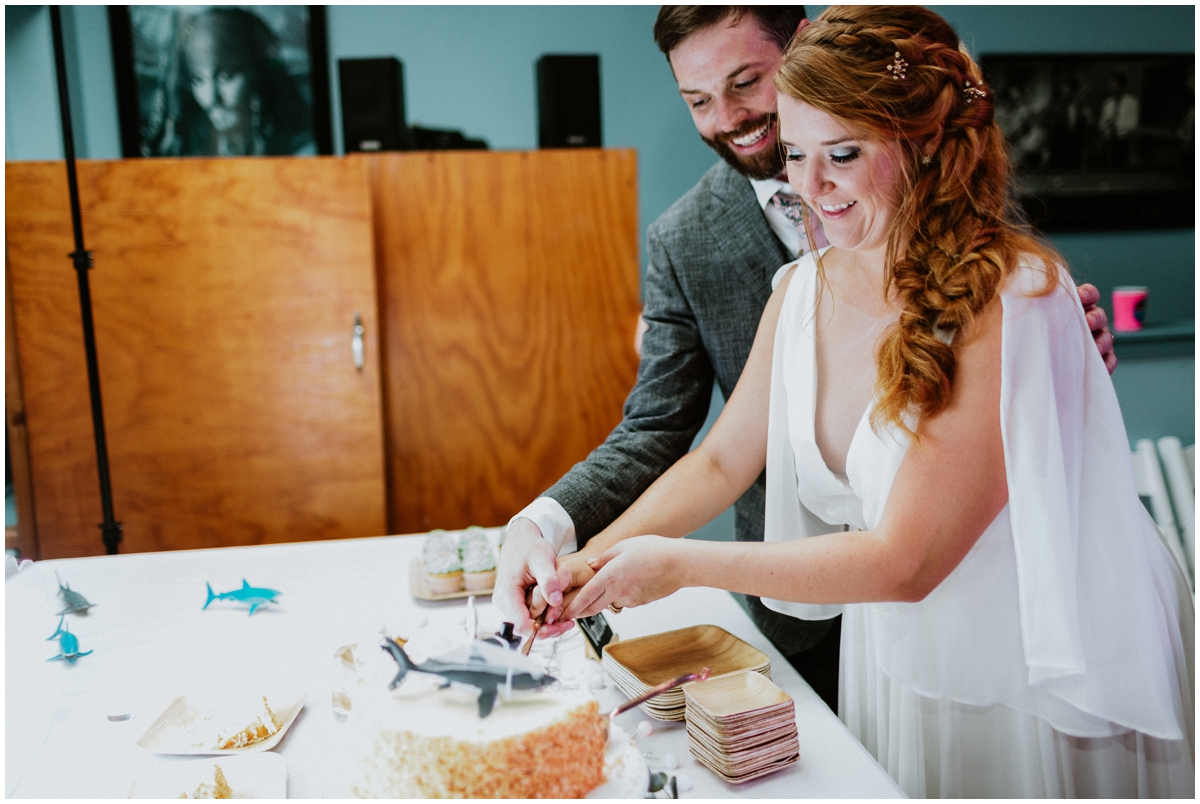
x=498, y=293
x=509, y=294
x=224, y=295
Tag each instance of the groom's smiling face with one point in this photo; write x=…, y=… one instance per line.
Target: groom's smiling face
x=726, y=75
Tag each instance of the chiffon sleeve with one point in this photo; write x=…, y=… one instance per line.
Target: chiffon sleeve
x=1098, y=592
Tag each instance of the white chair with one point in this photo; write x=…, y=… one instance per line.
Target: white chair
x=1182, y=484
x=1150, y=484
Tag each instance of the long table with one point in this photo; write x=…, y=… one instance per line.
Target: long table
x=151, y=642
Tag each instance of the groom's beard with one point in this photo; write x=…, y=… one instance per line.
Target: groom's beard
x=766, y=164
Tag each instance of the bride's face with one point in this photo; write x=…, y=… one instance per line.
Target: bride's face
x=851, y=183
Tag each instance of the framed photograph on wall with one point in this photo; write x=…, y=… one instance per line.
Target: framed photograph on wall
x=221, y=80
x=1099, y=142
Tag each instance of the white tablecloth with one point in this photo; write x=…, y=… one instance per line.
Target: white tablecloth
x=152, y=643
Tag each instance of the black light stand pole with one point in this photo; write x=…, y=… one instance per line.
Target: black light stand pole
x=109, y=528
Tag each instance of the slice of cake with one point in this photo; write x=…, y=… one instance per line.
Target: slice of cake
x=262, y=727
x=423, y=742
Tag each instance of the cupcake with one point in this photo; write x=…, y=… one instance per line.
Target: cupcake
x=443, y=567
x=478, y=561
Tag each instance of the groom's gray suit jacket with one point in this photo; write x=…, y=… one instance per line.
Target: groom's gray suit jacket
x=711, y=260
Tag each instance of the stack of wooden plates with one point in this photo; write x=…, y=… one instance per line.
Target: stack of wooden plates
x=638, y=665
x=741, y=726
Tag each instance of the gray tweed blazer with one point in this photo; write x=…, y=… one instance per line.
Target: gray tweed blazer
x=711, y=260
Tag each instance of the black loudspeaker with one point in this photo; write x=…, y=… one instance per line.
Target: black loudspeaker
x=439, y=139
x=373, y=105
x=568, y=101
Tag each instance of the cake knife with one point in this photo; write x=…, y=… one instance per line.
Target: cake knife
x=538, y=621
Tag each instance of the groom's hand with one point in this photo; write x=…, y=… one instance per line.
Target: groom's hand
x=1097, y=321
x=528, y=563
x=578, y=570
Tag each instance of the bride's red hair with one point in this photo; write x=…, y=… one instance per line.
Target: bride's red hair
x=957, y=231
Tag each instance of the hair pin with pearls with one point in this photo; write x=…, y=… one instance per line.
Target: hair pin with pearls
x=898, y=68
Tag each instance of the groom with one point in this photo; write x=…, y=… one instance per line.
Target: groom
x=712, y=256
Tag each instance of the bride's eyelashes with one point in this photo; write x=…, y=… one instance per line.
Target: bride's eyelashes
x=844, y=155
x=841, y=156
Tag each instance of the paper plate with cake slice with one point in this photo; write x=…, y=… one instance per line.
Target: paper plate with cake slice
x=223, y=721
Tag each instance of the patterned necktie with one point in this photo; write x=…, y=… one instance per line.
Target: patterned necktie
x=791, y=206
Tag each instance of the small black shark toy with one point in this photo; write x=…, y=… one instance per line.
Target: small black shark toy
x=484, y=666
x=76, y=602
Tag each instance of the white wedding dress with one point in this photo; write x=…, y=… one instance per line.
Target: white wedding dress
x=1057, y=658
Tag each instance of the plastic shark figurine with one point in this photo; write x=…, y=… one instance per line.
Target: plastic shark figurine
x=254, y=595
x=75, y=601
x=68, y=644
x=480, y=665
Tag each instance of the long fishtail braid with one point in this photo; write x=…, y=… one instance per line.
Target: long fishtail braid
x=900, y=73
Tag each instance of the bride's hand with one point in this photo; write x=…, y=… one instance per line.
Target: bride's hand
x=632, y=572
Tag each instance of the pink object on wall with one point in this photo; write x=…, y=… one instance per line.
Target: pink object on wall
x=1129, y=308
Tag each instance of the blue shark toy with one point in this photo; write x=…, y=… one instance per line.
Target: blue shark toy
x=254, y=595
x=68, y=644
x=75, y=601
x=485, y=666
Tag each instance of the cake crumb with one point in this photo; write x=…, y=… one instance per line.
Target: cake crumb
x=219, y=789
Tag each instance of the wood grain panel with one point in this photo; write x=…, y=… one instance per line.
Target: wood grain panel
x=18, y=436
x=509, y=295
x=224, y=294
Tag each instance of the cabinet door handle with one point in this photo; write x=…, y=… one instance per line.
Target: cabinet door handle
x=356, y=342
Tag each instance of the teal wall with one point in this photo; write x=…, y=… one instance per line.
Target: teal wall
x=472, y=68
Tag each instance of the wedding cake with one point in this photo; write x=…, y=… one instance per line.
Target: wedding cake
x=422, y=741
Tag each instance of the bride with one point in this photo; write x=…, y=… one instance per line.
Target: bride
x=1013, y=624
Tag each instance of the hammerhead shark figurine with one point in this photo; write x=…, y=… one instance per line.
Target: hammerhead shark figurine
x=254, y=595
x=68, y=643
x=481, y=665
